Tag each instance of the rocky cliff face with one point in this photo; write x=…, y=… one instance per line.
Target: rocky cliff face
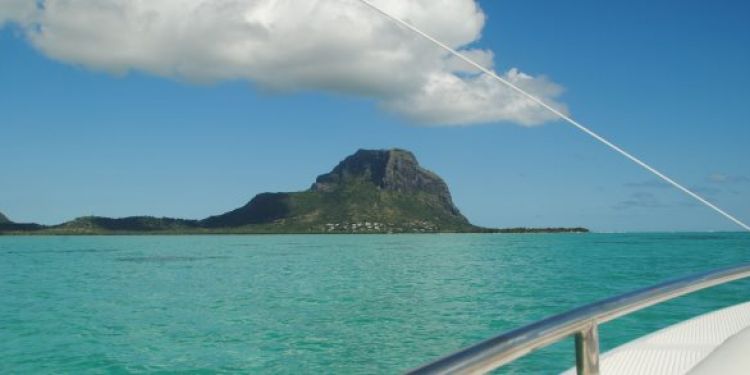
x=393, y=170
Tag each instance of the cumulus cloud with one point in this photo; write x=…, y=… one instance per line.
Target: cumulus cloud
x=290, y=45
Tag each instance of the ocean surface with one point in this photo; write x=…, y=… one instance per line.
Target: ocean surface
x=338, y=304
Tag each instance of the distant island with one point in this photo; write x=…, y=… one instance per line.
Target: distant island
x=371, y=191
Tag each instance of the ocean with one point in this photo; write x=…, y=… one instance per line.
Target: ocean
x=333, y=304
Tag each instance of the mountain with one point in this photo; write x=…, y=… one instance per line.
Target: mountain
x=6, y=225
x=371, y=191
x=134, y=224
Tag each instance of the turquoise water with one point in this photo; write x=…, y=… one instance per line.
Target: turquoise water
x=325, y=304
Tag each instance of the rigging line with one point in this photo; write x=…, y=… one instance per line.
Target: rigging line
x=563, y=116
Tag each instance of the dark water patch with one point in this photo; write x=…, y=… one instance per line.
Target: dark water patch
x=167, y=259
x=244, y=245
x=73, y=251
x=692, y=237
x=64, y=251
x=619, y=242
x=703, y=237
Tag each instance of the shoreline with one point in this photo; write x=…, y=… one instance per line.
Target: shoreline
x=53, y=233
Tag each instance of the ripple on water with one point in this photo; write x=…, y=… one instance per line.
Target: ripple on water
x=325, y=304
x=167, y=259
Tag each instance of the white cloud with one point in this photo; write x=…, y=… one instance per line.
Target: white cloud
x=19, y=11
x=448, y=99
x=289, y=45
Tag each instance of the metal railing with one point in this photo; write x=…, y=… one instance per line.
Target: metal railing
x=582, y=322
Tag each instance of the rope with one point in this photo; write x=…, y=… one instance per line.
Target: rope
x=563, y=116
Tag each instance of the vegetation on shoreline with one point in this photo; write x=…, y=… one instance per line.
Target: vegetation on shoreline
x=35, y=229
x=371, y=191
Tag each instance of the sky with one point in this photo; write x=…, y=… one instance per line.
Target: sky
x=189, y=109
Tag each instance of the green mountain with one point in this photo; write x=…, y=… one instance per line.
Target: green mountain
x=6, y=225
x=371, y=191
x=134, y=224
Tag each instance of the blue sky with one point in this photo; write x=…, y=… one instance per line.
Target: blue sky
x=666, y=80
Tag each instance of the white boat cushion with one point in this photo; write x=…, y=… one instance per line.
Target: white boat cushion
x=731, y=357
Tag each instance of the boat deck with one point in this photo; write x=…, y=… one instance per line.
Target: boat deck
x=717, y=342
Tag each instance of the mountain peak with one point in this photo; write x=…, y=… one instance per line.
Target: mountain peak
x=4, y=219
x=393, y=169
x=369, y=165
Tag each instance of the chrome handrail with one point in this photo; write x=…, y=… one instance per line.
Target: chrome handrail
x=582, y=322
